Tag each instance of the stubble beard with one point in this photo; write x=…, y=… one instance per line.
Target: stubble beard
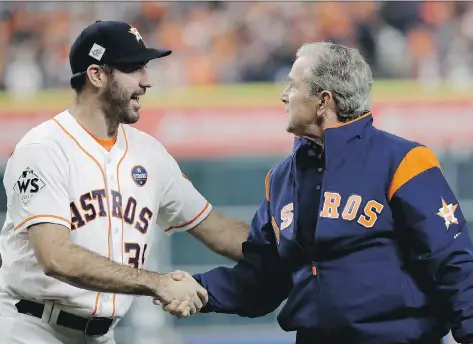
x=116, y=106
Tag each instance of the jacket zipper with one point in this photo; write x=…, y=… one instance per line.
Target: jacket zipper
x=296, y=227
x=321, y=200
x=314, y=268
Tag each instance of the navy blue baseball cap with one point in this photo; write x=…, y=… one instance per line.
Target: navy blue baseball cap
x=111, y=43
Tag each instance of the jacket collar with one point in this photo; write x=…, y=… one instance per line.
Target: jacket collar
x=349, y=130
x=337, y=137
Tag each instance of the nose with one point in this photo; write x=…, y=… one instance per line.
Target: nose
x=284, y=97
x=144, y=80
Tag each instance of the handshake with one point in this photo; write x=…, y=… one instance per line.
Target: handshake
x=180, y=294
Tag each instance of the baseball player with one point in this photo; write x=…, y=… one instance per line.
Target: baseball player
x=359, y=229
x=86, y=194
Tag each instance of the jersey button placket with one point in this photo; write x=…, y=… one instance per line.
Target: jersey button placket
x=109, y=169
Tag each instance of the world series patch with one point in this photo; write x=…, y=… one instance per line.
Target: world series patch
x=139, y=175
x=28, y=185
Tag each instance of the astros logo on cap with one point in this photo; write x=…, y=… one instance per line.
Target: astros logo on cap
x=135, y=32
x=139, y=175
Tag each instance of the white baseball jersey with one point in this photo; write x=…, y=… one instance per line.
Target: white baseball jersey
x=112, y=201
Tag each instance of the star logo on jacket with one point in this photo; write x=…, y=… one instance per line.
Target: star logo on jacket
x=447, y=212
x=135, y=32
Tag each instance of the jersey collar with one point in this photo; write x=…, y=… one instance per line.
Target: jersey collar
x=87, y=143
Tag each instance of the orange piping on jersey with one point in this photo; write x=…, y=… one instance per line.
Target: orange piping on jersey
x=266, y=185
x=96, y=303
x=338, y=125
x=118, y=175
x=114, y=304
x=107, y=198
x=193, y=219
x=118, y=180
x=416, y=161
x=119, y=190
x=38, y=216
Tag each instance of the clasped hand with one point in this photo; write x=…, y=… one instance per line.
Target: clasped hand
x=183, y=296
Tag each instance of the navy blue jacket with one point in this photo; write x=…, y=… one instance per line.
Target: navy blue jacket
x=389, y=259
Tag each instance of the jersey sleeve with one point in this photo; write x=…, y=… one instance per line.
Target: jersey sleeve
x=36, y=186
x=182, y=207
x=435, y=235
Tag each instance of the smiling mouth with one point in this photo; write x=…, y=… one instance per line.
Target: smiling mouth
x=136, y=97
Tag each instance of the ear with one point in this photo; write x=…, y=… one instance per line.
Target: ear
x=96, y=76
x=326, y=100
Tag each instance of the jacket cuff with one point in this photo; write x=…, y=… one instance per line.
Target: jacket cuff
x=207, y=308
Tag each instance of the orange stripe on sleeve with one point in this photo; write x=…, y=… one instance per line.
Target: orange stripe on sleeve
x=41, y=216
x=416, y=161
x=193, y=219
x=266, y=185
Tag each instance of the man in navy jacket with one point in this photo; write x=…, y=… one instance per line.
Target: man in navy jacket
x=359, y=230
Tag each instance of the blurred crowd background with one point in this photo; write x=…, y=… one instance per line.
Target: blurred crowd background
x=228, y=42
x=227, y=138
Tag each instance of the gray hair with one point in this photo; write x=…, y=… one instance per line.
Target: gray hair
x=342, y=71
